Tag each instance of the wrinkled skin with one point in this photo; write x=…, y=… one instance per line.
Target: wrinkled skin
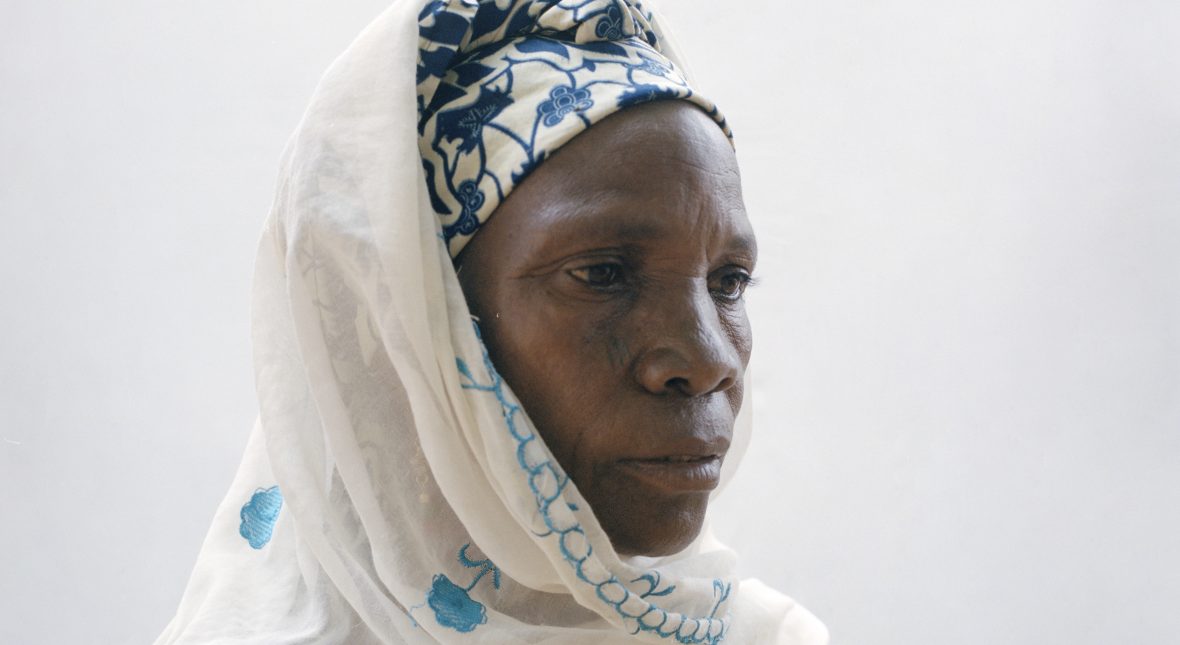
x=609, y=292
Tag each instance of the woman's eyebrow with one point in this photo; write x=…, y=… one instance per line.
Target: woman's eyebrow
x=623, y=230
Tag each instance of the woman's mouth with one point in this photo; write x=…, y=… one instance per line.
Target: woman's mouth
x=676, y=473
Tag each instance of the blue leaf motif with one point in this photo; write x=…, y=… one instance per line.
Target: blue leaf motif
x=543, y=45
x=434, y=63
x=645, y=93
x=603, y=47
x=259, y=516
x=453, y=607
x=652, y=66
x=466, y=123
x=447, y=28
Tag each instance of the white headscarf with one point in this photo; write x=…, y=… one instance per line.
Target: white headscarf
x=393, y=490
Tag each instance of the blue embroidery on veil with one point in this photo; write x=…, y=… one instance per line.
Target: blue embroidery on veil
x=453, y=605
x=547, y=488
x=652, y=578
x=259, y=516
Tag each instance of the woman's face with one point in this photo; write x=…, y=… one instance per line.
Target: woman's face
x=609, y=292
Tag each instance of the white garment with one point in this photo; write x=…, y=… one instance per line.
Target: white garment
x=392, y=491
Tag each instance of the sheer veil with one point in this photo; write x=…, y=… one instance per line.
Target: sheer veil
x=393, y=490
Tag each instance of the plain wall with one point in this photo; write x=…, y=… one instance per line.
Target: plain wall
x=967, y=356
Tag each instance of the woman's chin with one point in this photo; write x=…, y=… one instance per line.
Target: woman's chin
x=662, y=535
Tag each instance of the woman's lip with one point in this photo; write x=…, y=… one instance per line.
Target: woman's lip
x=676, y=473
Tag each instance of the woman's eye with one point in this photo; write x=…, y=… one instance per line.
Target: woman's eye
x=731, y=285
x=599, y=275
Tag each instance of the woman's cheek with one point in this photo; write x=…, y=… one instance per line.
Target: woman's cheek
x=737, y=326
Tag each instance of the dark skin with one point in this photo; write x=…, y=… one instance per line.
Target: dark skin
x=609, y=287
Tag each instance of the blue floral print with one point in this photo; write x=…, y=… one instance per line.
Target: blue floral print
x=610, y=26
x=562, y=101
x=470, y=199
x=500, y=83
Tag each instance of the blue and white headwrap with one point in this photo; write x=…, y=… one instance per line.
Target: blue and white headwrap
x=504, y=83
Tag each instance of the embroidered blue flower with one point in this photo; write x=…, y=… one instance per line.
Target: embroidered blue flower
x=563, y=99
x=259, y=516
x=452, y=605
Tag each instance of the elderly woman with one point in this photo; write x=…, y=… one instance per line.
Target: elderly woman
x=500, y=347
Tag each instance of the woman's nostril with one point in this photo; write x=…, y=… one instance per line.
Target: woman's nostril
x=725, y=384
x=678, y=384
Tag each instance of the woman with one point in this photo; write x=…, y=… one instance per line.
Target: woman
x=499, y=352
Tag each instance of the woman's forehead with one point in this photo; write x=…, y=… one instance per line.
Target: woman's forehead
x=650, y=177
x=644, y=231
x=670, y=129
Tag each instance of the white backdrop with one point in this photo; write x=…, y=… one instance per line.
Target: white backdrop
x=967, y=334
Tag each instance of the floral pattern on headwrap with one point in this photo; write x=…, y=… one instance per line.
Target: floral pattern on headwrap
x=504, y=83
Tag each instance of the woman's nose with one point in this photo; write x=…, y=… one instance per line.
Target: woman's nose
x=688, y=351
